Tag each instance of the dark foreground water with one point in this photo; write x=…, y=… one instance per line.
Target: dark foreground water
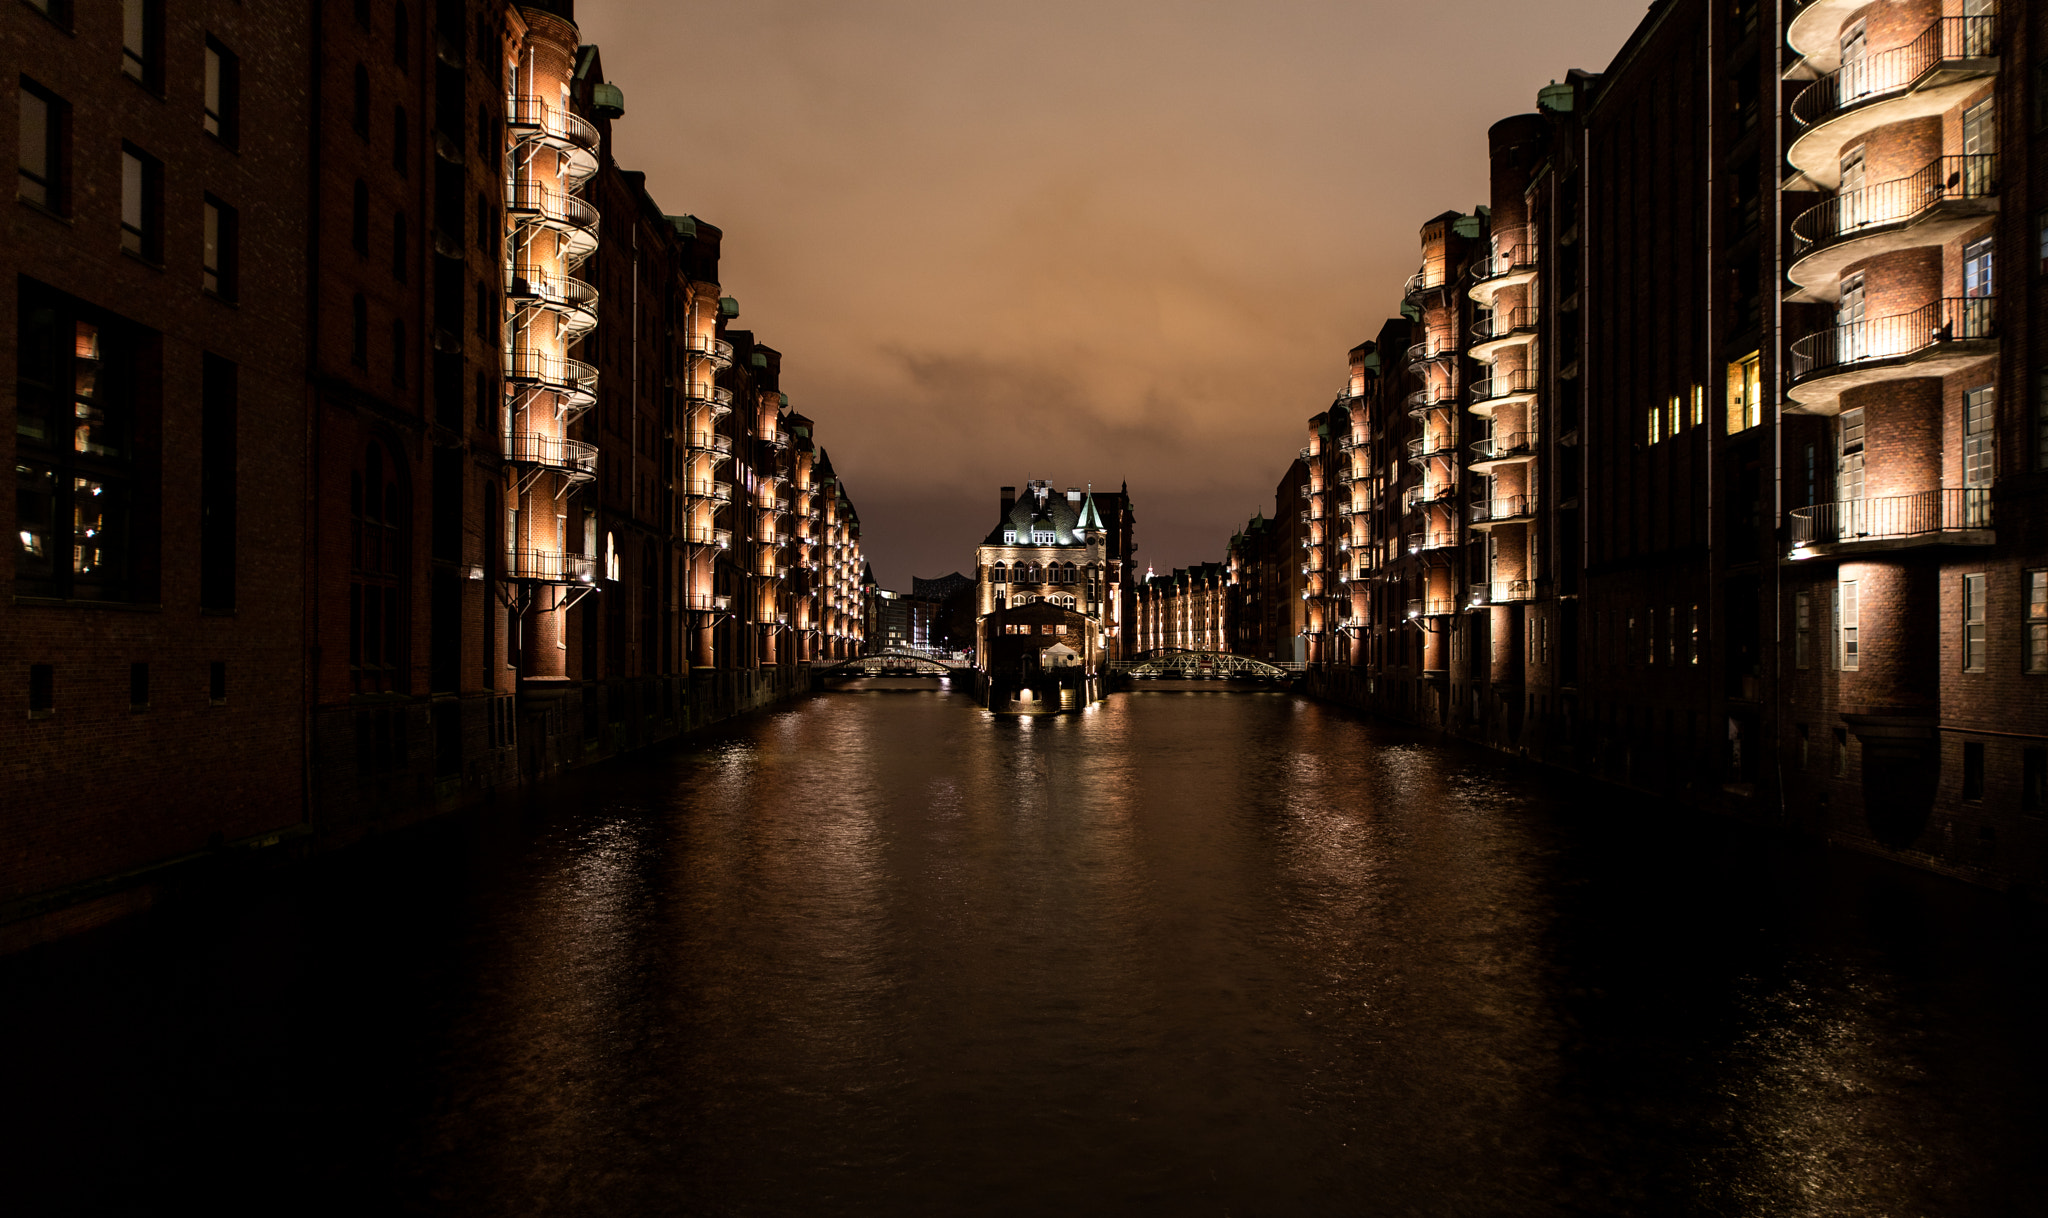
x=1189, y=953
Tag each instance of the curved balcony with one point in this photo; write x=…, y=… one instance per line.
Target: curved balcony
x=1423, y=449
x=708, y=443
x=1351, y=444
x=1420, y=354
x=570, y=218
x=704, y=602
x=717, y=401
x=572, y=459
x=1925, y=77
x=1432, y=539
x=1505, y=389
x=1951, y=516
x=1504, y=448
x=708, y=489
x=1503, y=592
x=539, y=566
x=1433, y=397
x=707, y=347
x=572, y=379
x=1433, y=606
x=1346, y=474
x=1508, y=509
x=706, y=535
x=1512, y=267
x=530, y=120
x=1928, y=207
x=1426, y=279
x=1939, y=338
x=569, y=298
x=1510, y=329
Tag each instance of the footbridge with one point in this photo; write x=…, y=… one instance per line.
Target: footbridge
x=897, y=659
x=1178, y=662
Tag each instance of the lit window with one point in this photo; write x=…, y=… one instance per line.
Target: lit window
x=218, y=248
x=1978, y=443
x=1009, y=537
x=222, y=93
x=1847, y=624
x=1975, y=643
x=2037, y=622
x=1699, y=405
x=1745, y=393
x=1802, y=630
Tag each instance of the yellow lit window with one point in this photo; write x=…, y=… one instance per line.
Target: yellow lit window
x=1699, y=405
x=1745, y=393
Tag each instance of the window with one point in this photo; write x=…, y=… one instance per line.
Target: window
x=58, y=11
x=217, y=682
x=399, y=254
x=141, y=204
x=81, y=422
x=219, y=242
x=42, y=691
x=1802, y=630
x=1847, y=622
x=1974, y=642
x=1977, y=268
x=218, y=483
x=1655, y=428
x=1043, y=537
x=1973, y=770
x=223, y=93
x=1978, y=451
x=1699, y=406
x=1009, y=537
x=45, y=120
x=377, y=563
x=1745, y=393
x=362, y=106
x=142, y=41
x=1694, y=653
x=1849, y=471
x=401, y=134
x=2033, y=779
x=2035, y=638
x=998, y=575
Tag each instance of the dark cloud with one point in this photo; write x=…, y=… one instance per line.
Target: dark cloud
x=1077, y=241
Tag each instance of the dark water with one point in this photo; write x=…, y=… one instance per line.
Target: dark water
x=1189, y=953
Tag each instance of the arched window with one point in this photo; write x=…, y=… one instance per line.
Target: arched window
x=359, y=217
x=377, y=566
x=998, y=574
x=362, y=108
x=1068, y=576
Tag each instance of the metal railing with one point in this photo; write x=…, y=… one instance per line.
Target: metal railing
x=704, y=602
x=1514, y=260
x=1507, y=507
x=1952, y=319
x=705, y=535
x=528, y=114
x=705, y=488
x=1503, y=445
x=1431, y=539
x=704, y=346
x=708, y=442
x=719, y=400
x=1953, y=509
x=529, y=282
x=1308, y=453
x=549, y=566
x=552, y=207
x=572, y=457
x=1503, y=591
x=1433, y=606
x=1856, y=212
x=1514, y=321
x=1506, y=384
x=1433, y=397
x=1886, y=73
x=556, y=372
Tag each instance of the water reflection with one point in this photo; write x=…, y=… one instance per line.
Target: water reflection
x=883, y=953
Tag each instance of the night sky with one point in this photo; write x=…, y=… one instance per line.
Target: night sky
x=1085, y=242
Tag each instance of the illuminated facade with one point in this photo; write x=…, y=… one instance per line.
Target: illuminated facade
x=1069, y=549
x=1186, y=609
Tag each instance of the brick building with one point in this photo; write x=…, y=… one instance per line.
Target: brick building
x=1073, y=550
x=399, y=465
x=1703, y=456
x=1186, y=609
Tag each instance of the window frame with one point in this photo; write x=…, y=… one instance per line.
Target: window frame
x=55, y=181
x=2034, y=623
x=1848, y=626
x=220, y=241
x=143, y=239
x=221, y=94
x=143, y=21
x=1976, y=637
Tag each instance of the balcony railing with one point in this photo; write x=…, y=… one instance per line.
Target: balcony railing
x=1954, y=509
x=1947, y=40
x=567, y=295
x=1507, y=507
x=1501, y=325
x=1950, y=320
x=571, y=377
x=1514, y=260
x=1895, y=203
x=1503, y=446
x=705, y=535
x=1426, y=447
x=1431, y=539
x=549, y=566
x=540, y=204
x=704, y=346
x=535, y=118
x=572, y=458
x=1434, y=606
x=1433, y=397
x=705, y=488
x=1503, y=592
x=704, y=602
x=1351, y=444
x=718, y=400
x=1506, y=384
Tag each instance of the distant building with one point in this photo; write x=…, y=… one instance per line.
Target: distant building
x=1187, y=609
x=1067, y=549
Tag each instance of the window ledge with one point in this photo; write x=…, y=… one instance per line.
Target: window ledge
x=43, y=714
x=46, y=210
x=144, y=259
x=230, y=301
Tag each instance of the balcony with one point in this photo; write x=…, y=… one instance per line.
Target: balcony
x=1428, y=278
x=1512, y=267
x=1504, y=330
x=1503, y=592
x=530, y=120
x=1346, y=475
x=1426, y=350
x=717, y=401
x=1311, y=516
x=705, y=535
x=709, y=489
x=1504, y=448
x=1508, y=509
x=1433, y=397
x=568, y=298
x=1925, y=77
x=705, y=347
x=1431, y=539
x=571, y=379
x=572, y=459
x=1351, y=444
x=573, y=219
x=1425, y=448
x=549, y=566
x=720, y=447
x=1934, y=340
x=1505, y=389
x=1434, y=606
x=1928, y=207
x=1952, y=516
x=701, y=602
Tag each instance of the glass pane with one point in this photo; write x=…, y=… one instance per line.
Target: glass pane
x=35, y=148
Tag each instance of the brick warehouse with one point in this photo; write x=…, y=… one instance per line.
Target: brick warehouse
x=411, y=453
x=1704, y=457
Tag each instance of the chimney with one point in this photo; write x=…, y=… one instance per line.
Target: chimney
x=1009, y=500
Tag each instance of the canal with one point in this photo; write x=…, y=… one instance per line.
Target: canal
x=1189, y=952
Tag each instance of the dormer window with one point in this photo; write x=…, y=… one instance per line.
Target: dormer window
x=1044, y=537
x=1009, y=537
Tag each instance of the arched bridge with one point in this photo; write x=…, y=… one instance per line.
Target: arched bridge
x=926, y=662
x=1182, y=662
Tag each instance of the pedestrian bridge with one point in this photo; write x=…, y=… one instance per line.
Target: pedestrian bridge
x=927, y=663
x=1196, y=665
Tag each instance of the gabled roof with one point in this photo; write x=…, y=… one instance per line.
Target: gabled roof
x=1053, y=511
